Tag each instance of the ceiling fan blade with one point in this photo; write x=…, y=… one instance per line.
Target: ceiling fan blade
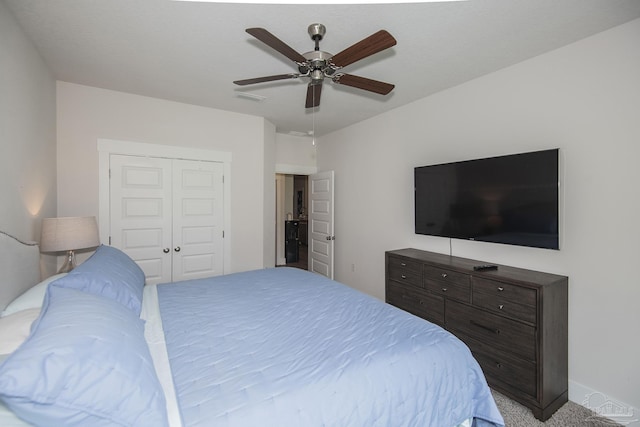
x=313, y=95
x=275, y=43
x=266, y=79
x=373, y=44
x=363, y=83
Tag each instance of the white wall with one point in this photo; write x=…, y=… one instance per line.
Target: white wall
x=27, y=136
x=583, y=98
x=295, y=155
x=87, y=113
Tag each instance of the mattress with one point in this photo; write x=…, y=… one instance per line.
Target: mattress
x=293, y=348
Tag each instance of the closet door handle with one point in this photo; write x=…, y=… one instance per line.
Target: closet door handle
x=177, y=249
x=166, y=250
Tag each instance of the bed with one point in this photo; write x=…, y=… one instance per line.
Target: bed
x=277, y=346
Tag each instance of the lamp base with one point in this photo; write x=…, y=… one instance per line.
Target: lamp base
x=69, y=263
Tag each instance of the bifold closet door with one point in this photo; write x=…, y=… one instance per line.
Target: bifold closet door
x=167, y=215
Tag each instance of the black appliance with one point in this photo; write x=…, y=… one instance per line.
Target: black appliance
x=509, y=199
x=291, y=241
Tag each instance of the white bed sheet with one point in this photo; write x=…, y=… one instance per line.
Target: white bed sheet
x=154, y=334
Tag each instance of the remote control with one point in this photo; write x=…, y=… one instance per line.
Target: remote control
x=485, y=267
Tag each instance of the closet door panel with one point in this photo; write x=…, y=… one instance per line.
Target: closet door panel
x=197, y=219
x=140, y=212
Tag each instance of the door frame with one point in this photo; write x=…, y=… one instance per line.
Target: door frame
x=107, y=147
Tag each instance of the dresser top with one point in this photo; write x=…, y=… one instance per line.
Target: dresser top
x=466, y=265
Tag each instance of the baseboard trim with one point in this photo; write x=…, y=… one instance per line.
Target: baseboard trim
x=604, y=405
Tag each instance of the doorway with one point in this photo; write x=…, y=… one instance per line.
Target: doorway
x=292, y=222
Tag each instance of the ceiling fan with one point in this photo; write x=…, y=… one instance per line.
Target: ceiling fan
x=318, y=65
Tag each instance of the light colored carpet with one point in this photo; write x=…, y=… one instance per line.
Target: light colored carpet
x=569, y=415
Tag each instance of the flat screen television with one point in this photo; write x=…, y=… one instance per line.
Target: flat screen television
x=509, y=199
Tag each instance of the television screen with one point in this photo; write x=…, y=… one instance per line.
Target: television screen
x=508, y=199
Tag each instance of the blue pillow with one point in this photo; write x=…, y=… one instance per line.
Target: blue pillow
x=85, y=363
x=109, y=272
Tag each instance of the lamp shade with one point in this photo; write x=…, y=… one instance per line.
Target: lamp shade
x=69, y=233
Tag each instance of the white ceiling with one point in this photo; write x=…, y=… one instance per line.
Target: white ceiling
x=192, y=51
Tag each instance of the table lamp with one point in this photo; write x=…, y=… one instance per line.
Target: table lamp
x=69, y=234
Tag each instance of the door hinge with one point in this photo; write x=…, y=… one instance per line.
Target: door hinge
x=223, y=234
x=109, y=240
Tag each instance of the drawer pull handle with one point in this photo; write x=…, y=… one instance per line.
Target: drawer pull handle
x=486, y=328
x=403, y=276
x=500, y=289
x=421, y=302
x=501, y=306
x=498, y=365
x=402, y=264
x=444, y=289
x=444, y=275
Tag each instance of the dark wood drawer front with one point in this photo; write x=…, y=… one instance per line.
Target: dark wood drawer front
x=499, y=332
x=505, y=307
x=455, y=290
x=498, y=366
x=505, y=291
x=518, y=374
x=416, y=301
x=405, y=264
x=405, y=276
x=447, y=276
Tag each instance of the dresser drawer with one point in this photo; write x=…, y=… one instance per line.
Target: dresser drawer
x=450, y=284
x=449, y=276
x=406, y=276
x=499, y=367
x=496, y=303
x=416, y=301
x=505, y=291
x=405, y=264
x=496, y=331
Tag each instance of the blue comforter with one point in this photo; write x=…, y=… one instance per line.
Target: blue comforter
x=285, y=347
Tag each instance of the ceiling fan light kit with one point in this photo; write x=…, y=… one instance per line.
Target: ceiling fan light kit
x=318, y=65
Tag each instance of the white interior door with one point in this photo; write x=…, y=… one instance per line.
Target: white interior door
x=140, y=213
x=321, y=237
x=197, y=219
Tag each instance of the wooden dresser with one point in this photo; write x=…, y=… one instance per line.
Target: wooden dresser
x=513, y=320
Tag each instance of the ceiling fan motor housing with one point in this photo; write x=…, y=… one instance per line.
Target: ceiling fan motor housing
x=318, y=65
